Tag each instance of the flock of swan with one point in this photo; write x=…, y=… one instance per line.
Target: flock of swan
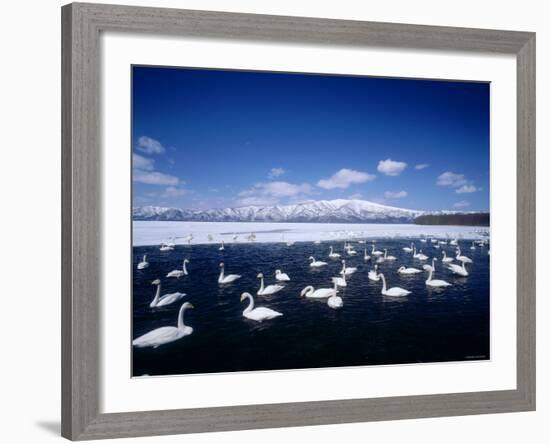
x=167, y=334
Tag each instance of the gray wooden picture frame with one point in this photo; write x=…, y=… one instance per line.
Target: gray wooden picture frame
x=81, y=171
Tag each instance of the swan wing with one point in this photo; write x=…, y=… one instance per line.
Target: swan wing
x=159, y=336
x=262, y=313
x=335, y=302
x=169, y=299
x=322, y=293
x=397, y=291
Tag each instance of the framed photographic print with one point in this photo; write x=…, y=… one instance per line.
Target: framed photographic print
x=279, y=221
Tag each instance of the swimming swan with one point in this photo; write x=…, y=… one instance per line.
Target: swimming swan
x=445, y=258
x=436, y=282
x=388, y=258
x=257, y=314
x=143, y=264
x=420, y=256
x=394, y=291
x=340, y=281
x=165, y=335
x=374, y=275
x=315, y=263
x=270, y=289
x=222, y=247
x=376, y=253
x=179, y=273
x=166, y=299
x=280, y=276
x=427, y=267
x=403, y=270
x=366, y=256
x=461, y=258
x=457, y=269
x=320, y=293
x=335, y=301
x=222, y=279
x=408, y=249
x=347, y=270
x=332, y=254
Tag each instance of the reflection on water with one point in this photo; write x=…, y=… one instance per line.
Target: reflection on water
x=429, y=325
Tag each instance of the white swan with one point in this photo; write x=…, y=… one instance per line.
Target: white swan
x=143, y=264
x=222, y=247
x=165, y=299
x=320, y=293
x=223, y=279
x=457, y=269
x=373, y=275
x=332, y=254
x=436, y=282
x=350, y=251
x=164, y=335
x=166, y=247
x=408, y=249
x=454, y=242
x=376, y=252
x=423, y=240
x=473, y=247
x=280, y=276
x=394, y=291
x=461, y=258
x=442, y=242
x=403, y=270
x=316, y=264
x=270, y=289
x=335, y=301
x=366, y=256
x=446, y=259
x=179, y=273
x=347, y=270
x=427, y=267
x=340, y=281
x=257, y=314
x=420, y=256
x=388, y=258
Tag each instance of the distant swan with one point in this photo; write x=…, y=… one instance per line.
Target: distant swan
x=315, y=263
x=454, y=242
x=388, y=258
x=179, y=273
x=457, y=269
x=374, y=275
x=332, y=254
x=473, y=247
x=427, y=267
x=222, y=247
x=335, y=301
x=320, y=293
x=270, y=289
x=436, y=282
x=166, y=299
x=366, y=256
x=347, y=270
x=394, y=291
x=257, y=314
x=403, y=270
x=280, y=276
x=165, y=335
x=461, y=258
x=376, y=252
x=340, y=281
x=166, y=247
x=445, y=258
x=143, y=264
x=408, y=249
x=223, y=279
x=420, y=256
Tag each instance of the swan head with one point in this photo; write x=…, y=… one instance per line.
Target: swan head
x=186, y=261
x=277, y=271
x=306, y=289
x=260, y=275
x=435, y=259
x=376, y=267
x=245, y=295
x=401, y=268
x=311, y=258
x=187, y=305
x=221, y=264
x=156, y=282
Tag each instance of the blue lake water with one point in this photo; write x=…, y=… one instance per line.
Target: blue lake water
x=429, y=325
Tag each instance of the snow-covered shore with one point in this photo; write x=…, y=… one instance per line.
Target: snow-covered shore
x=154, y=233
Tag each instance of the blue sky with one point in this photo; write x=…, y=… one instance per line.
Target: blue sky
x=213, y=138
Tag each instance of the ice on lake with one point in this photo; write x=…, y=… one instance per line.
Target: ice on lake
x=156, y=232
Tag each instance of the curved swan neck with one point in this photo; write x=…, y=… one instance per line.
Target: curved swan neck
x=261, y=284
x=157, y=295
x=250, y=305
x=221, y=273
x=181, y=325
x=383, y=282
x=430, y=275
x=184, y=267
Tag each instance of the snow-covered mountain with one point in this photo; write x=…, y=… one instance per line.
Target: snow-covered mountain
x=324, y=211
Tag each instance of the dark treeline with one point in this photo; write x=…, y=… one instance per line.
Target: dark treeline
x=474, y=219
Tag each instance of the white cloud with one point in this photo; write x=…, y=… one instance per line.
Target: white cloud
x=466, y=189
x=276, y=172
x=421, y=166
x=142, y=163
x=149, y=145
x=391, y=167
x=154, y=178
x=462, y=204
x=450, y=179
x=269, y=193
x=395, y=194
x=344, y=178
x=174, y=192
